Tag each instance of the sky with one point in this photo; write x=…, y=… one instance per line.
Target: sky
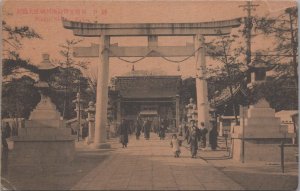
x=45, y=18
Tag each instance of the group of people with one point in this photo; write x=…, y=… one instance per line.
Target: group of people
x=194, y=135
x=141, y=126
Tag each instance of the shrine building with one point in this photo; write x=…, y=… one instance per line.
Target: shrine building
x=146, y=95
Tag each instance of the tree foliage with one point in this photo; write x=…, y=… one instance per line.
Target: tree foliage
x=188, y=90
x=281, y=89
x=68, y=80
x=13, y=36
x=278, y=92
x=227, y=49
x=284, y=54
x=12, y=44
x=10, y=66
x=19, y=98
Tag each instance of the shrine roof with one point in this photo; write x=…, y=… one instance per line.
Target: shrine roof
x=148, y=86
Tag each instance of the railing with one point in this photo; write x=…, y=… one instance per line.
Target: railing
x=282, y=146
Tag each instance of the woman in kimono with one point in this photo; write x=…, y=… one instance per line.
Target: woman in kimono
x=124, y=130
x=193, y=138
x=138, y=129
x=162, y=129
x=213, y=137
x=147, y=127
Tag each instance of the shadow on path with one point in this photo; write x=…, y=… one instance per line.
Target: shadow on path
x=60, y=177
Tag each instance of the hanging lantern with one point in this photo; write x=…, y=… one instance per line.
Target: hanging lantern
x=132, y=69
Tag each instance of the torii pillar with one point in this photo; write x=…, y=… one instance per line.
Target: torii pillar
x=201, y=83
x=102, y=94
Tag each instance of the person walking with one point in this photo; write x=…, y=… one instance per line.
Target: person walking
x=124, y=130
x=193, y=138
x=162, y=129
x=213, y=137
x=138, y=129
x=147, y=127
x=5, y=133
x=175, y=145
x=204, y=131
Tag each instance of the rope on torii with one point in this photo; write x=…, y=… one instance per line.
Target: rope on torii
x=151, y=51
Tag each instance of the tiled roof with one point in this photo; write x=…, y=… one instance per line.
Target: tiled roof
x=148, y=86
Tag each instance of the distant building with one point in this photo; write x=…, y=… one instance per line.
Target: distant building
x=226, y=124
x=286, y=119
x=289, y=118
x=141, y=94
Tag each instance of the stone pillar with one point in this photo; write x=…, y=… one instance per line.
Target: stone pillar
x=91, y=120
x=177, y=111
x=102, y=95
x=201, y=84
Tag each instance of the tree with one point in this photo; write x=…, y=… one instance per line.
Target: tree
x=284, y=29
x=12, y=65
x=14, y=68
x=68, y=80
x=12, y=39
x=19, y=97
x=188, y=90
x=227, y=50
x=277, y=92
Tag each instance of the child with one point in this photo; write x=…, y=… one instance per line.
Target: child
x=175, y=145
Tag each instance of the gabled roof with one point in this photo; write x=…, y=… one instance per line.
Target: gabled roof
x=148, y=86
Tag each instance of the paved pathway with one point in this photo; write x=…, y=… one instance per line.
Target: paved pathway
x=150, y=165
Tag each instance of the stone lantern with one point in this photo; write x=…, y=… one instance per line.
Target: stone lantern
x=45, y=114
x=91, y=110
x=44, y=141
x=258, y=73
x=191, y=110
x=78, y=109
x=213, y=117
x=260, y=129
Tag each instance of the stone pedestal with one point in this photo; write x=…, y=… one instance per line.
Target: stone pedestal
x=44, y=115
x=43, y=142
x=262, y=134
x=43, y=146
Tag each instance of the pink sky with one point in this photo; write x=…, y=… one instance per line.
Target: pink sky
x=49, y=26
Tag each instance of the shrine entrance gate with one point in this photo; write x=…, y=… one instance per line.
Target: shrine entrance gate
x=152, y=30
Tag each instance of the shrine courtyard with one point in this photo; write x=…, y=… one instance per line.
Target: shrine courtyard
x=150, y=165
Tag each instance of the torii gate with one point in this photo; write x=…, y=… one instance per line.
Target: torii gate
x=153, y=31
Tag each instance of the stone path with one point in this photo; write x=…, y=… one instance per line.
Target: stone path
x=150, y=165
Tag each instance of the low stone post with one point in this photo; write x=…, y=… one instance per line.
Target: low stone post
x=91, y=120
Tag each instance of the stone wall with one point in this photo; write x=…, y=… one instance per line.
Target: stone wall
x=266, y=150
x=42, y=153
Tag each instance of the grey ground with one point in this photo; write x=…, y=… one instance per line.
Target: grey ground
x=150, y=165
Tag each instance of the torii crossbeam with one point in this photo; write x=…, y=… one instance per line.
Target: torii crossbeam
x=153, y=30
